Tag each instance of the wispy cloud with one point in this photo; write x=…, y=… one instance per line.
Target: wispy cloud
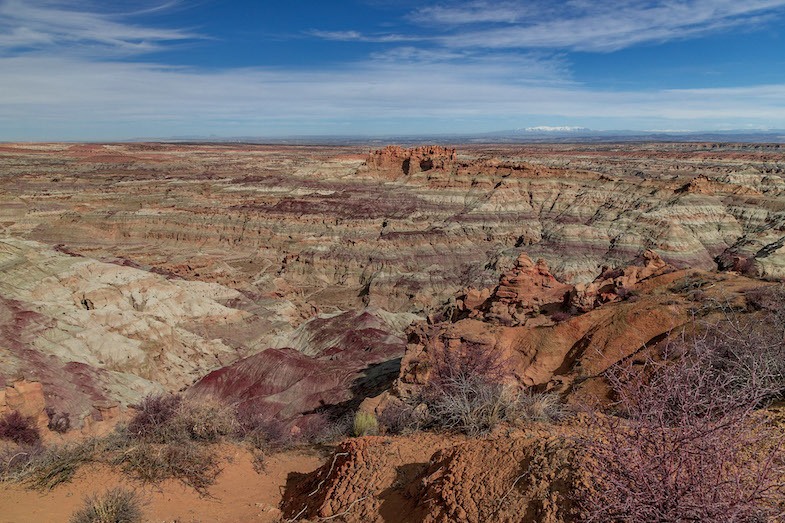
x=70, y=73
x=356, y=36
x=472, y=13
x=29, y=25
x=119, y=99
x=610, y=25
x=601, y=25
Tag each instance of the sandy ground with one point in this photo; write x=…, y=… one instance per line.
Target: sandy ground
x=240, y=493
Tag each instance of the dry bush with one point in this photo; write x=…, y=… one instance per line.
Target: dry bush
x=749, y=349
x=45, y=468
x=686, y=445
x=321, y=428
x=206, y=421
x=263, y=432
x=466, y=390
x=168, y=438
x=470, y=360
x=400, y=418
x=169, y=418
x=544, y=407
x=19, y=429
x=471, y=405
x=117, y=505
x=15, y=461
x=153, y=416
x=560, y=316
x=192, y=464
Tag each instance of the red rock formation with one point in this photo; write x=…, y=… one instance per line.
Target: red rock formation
x=621, y=312
x=26, y=397
x=394, y=161
x=616, y=284
x=526, y=290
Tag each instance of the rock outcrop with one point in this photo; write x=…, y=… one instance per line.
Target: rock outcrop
x=93, y=334
x=394, y=161
x=560, y=337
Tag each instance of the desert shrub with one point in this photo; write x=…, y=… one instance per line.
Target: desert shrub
x=466, y=390
x=19, y=429
x=770, y=298
x=117, y=505
x=470, y=360
x=206, y=421
x=192, y=464
x=58, y=421
x=169, y=418
x=365, y=424
x=400, y=418
x=471, y=405
x=690, y=282
x=263, y=432
x=15, y=461
x=685, y=445
x=747, y=350
x=546, y=407
x=45, y=468
x=153, y=416
x=321, y=428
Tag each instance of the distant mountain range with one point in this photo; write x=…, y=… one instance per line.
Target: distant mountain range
x=538, y=134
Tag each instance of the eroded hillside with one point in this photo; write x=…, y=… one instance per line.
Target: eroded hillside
x=140, y=267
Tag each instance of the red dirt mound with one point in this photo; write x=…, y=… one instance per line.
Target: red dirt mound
x=521, y=477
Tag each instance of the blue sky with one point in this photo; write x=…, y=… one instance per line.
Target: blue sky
x=106, y=70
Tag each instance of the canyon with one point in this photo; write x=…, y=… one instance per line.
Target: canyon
x=303, y=283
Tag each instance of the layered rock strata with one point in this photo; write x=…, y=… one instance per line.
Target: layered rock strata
x=329, y=229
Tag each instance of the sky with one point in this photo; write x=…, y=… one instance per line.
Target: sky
x=113, y=70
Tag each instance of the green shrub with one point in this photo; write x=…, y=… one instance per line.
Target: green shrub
x=365, y=424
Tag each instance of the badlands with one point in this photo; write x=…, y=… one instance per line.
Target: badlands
x=300, y=285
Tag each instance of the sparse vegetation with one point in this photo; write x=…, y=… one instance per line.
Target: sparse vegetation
x=560, y=316
x=44, y=468
x=117, y=505
x=19, y=429
x=471, y=405
x=168, y=438
x=544, y=407
x=466, y=390
x=686, y=443
x=401, y=418
x=189, y=462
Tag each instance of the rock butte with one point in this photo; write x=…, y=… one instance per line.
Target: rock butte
x=308, y=281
